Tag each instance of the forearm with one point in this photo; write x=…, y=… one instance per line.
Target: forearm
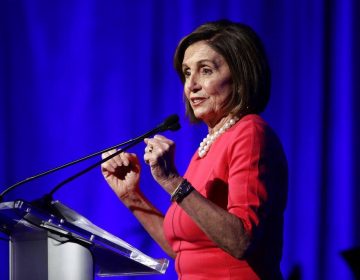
x=222, y=227
x=149, y=217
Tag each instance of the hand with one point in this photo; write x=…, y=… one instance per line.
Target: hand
x=122, y=173
x=159, y=155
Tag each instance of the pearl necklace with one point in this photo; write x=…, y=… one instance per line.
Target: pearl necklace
x=210, y=138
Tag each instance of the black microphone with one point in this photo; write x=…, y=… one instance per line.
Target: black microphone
x=170, y=123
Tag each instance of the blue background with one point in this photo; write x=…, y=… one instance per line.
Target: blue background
x=80, y=76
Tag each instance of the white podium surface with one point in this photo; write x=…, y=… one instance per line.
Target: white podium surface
x=59, y=243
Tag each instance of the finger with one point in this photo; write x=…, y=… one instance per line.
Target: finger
x=124, y=159
x=148, y=149
x=146, y=158
x=161, y=147
x=161, y=138
x=150, y=158
x=108, y=153
x=112, y=163
x=107, y=167
x=134, y=161
x=117, y=160
x=153, y=144
x=156, y=148
x=149, y=145
x=133, y=157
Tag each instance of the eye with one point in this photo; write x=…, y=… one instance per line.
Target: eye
x=206, y=70
x=186, y=72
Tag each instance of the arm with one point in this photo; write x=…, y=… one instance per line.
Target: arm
x=222, y=227
x=122, y=174
x=231, y=231
x=150, y=218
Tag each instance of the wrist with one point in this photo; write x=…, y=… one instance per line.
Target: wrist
x=130, y=198
x=172, y=183
x=182, y=191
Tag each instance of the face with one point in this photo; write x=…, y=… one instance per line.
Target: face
x=208, y=83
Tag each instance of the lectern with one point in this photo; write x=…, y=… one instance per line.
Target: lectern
x=57, y=243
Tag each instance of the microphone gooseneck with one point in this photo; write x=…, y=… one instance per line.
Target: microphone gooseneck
x=170, y=123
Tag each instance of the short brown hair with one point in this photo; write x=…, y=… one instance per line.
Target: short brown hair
x=244, y=53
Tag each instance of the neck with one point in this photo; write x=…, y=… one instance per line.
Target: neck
x=214, y=132
x=220, y=123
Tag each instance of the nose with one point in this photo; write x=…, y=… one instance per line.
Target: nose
x=192, y=83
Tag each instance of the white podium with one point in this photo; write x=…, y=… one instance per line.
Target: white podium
x=61, y=244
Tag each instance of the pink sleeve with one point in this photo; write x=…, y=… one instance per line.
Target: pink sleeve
x=247, y=190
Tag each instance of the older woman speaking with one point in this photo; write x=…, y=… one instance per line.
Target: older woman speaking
x=226, y=216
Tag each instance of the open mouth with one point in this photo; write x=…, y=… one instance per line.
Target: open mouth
x=195, y=101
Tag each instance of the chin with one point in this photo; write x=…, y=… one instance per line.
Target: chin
x=199, y=113
x=200, y=116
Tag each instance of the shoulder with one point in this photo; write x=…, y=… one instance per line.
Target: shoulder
x=252, y=131
x=250, y=125
x=253, y=121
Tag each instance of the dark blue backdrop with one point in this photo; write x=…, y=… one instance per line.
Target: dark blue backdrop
x=79, y=76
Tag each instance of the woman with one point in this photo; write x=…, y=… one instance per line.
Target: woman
x=226, y=219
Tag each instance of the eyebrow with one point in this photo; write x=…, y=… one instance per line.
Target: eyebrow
x=203, y=61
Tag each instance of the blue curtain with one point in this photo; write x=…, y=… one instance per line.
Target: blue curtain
x=80, y=76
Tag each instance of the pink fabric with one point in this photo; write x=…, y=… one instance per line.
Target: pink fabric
x=245, y=172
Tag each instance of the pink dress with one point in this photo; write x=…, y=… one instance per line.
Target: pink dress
x=244, y=172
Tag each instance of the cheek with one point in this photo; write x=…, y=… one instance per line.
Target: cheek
x=226, y=84
x=221, y=95
x=186, y=94
x=225, y=88
x=218, y=90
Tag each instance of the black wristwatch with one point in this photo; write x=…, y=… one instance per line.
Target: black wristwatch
x=182, y=191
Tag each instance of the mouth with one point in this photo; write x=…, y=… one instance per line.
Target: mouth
x=196, y=101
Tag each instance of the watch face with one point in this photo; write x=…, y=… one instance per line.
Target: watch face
x=182, y=191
